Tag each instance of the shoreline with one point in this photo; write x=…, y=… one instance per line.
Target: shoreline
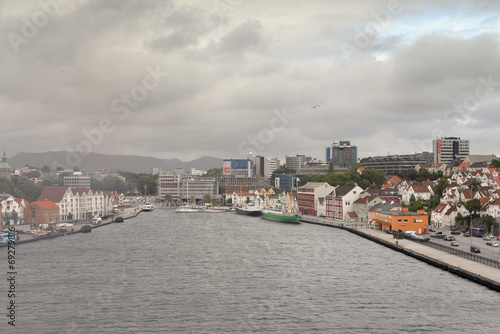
x=126, y=215
x=473, y=271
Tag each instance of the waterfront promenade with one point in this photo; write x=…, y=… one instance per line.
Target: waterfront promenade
x=475, y=271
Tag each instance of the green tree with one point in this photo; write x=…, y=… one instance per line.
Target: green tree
x=167, y=197
x=96, y=184
x=207, y=198
x=46, y=169
x=148, y=183
x=30, y=190
x=424, y=174
x=33, y=174
x=365, y=184
x=489, y=223
x=473, y=206
x=460, y=220
x=375, y=176
x=215, y=172
x=495, y=163
x=412, y=198
x=441, y=186
x=330, y=166
x=113, y=183
x=475, y=185
x=6, y=186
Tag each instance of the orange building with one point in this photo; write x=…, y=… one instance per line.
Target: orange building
x=43, y=212
x=402, y=220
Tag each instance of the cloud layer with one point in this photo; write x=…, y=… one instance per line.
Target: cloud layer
x=183, y=79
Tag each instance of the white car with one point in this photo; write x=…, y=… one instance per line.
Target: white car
x=494, y=244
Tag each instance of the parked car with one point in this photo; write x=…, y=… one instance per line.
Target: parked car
x=454, y=243
x=455, y=232
x=494, y=244
x=487, y=238
x=475, y=249
x=467, y=234
x=488, y=243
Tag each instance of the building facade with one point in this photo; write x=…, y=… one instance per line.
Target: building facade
x=76, y=181
x=404, y=221
x=296, y=162
x=5, y=169
x=393, y=164
x=43, y=212
x=240, y=167
x=448, y=149
x=342, y=154
x=286, y=182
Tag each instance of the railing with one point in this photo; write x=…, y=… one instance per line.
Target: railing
x=465, y=255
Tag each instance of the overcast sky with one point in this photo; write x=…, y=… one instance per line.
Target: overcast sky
x=184, y=79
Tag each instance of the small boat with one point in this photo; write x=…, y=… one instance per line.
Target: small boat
x=185, y=209
x=86, y=229
x=148, y=207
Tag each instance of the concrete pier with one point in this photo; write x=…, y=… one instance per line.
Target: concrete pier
x=474, y=271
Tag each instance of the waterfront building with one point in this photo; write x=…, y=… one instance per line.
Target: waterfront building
x=196, y=188
x=340, y=202
x=383, y=207
x=393, y=164
x=77, y=203
x=183, y=186
x=240, y=167
x=286, y=182
x=169, y=182
x=77, y=180
x=10, y=208
x=447, y=149
x=362, y=206
x=5, y=169
x=342, y=154
x=404, y=221
x=43, y=212
x=23, y=211
x=311, y=198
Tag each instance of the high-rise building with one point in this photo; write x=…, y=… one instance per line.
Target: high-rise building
x=448, y=149
x=342, y=153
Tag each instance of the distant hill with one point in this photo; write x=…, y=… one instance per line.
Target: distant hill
x=96, y=161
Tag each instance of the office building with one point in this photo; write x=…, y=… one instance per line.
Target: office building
x=342, y=153
x=448, y=149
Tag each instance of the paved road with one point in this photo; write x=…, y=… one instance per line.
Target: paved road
x=465, y=243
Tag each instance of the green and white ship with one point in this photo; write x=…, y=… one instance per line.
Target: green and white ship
x=282, y=213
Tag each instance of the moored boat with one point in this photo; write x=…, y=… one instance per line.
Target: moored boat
x=249, y=210
x=185, y=209
x=280, y=216
x=147, y=207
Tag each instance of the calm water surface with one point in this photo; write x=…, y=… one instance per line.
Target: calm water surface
x=164, y=272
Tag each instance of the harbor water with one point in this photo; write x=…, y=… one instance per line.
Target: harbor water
x=167, y=272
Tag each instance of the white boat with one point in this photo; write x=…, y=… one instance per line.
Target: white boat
x=147, y=207
x=185, y=209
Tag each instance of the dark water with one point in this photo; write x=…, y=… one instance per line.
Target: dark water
x=164, y=272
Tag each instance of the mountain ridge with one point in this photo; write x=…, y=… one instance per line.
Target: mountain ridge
x=97, y=161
